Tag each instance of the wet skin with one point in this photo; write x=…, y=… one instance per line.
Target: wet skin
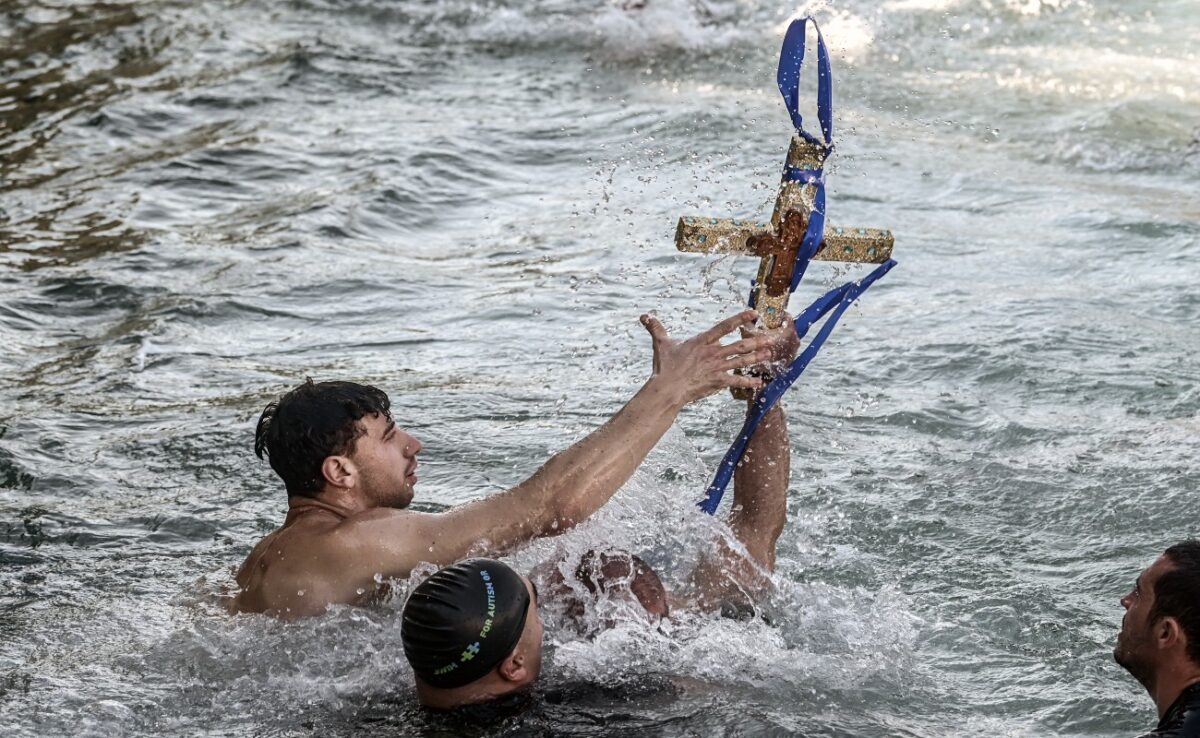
x=294, y=570
x=1154, y=649
x=1132, y=649
x=338, y=546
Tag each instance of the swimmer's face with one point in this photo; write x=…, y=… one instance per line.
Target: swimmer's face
x=386, y=459
x=1135, y=649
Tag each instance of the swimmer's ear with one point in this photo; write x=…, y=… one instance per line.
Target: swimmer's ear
x=339, y=471
x=512, y=668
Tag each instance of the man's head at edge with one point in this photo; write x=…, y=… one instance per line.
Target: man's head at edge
x=1161, y=626
x=329, y=437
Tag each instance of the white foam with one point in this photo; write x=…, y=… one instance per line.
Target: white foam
x=846, y=34
x=833, y=635
x=664, y=25
x=1099, y=73
x=908, y=6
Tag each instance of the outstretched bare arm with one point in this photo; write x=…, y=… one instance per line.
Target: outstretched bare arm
x=577, y=481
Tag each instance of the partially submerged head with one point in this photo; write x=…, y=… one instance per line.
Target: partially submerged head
x=620, y=575
x=472, y=633
x=1161, y=627
x=338, y=437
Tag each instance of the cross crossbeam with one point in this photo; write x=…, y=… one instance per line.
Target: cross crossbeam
x=777, y=242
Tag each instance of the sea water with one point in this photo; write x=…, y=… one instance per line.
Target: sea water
x=469, y=204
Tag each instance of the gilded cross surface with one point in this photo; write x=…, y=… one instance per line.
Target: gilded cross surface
x=776, y=243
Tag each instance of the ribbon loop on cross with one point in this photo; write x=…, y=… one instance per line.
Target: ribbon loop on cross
x=791, y=60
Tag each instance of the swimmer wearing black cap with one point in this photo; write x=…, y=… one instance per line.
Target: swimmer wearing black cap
x=351, y=472
x=472, y=631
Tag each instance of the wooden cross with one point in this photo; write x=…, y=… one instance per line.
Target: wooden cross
x=776, y=244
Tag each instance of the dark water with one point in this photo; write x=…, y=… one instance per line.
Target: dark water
x=468, y=204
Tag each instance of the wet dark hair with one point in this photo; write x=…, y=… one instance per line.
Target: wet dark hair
x=311, y=423
x=1177, y=593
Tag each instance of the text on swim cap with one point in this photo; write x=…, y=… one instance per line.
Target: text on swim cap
x=491, y=602
x=472, y=650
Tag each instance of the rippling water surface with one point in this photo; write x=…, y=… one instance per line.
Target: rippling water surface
x=468, y=204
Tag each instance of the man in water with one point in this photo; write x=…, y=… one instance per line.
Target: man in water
x=350, y=472
x=1159, y=642
x=472, y=631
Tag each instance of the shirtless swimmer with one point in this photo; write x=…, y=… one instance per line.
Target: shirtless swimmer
x=350, y=471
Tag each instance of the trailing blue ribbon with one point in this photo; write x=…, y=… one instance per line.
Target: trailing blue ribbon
x=791, y=59
x=835, y=301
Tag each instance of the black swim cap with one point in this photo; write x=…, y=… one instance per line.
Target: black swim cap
x=464, y=620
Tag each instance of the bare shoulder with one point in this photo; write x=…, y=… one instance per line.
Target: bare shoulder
x=399, y=540
x=301, y=569
x=296, y=571
x=380, y=526
x=362, y=527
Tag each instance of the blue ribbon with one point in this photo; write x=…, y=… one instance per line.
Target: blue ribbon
x=806, y=176
x=812, y=236
x=836, y=300
x=791, y=59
